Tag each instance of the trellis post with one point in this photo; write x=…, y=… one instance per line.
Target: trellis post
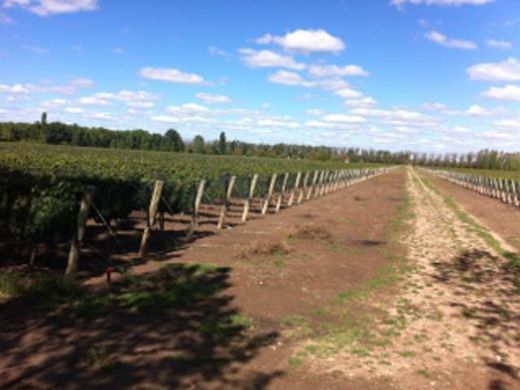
x=225, y=206
x=79, y=234
x=152, y=215
x=247, y=202
x=267, y=200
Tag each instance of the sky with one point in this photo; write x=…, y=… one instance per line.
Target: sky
x=421, y=75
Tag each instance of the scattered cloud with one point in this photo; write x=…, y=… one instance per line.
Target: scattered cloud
x=305, y=41
x=288, y=78
x=362, y=102
x=52, y=7
x=513, y=124
x=267, y=58
x=443, y=40
x=314, y=112
x=37, y=50
x=171, y=75
x=69, y=88
x=117, y=50
x=508, y=92
x=5, y=19
x=498, y=44
x=338, y=71
x=217, y=52
x=348, y=93
x=210, y=98
x=508, y=70
x=134, y=99
x=476, y=110
x=344, y=118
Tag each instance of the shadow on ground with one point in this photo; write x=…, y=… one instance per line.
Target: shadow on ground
x=175, y=328
x=487, y=292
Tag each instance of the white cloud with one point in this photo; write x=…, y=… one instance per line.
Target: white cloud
x=69, y=88
x=117, y=50
x=508, y=70
x=343, y=118
x=102, y=116
x=476, y=110
x=314, y=111
x=363, y=102
x=371, y=112
x=36, y=50
x=498, y=44
x=189, y=109
x=288, y=78
x=267, y=58
x=306, y=41
x=217, y=52
x=165, y=119
x=54, y=103
x=335, y=70
x=273, y=123
x=140, y=104
x=93, y=101
x=52, y=7
x=210, y=98
x=513, y=124
x=508, y=92
x=171, y=75
x=4, y=19
x=17, y=88
x=400, y=3
x=443, y=40
x=134, y=99
x=74, y=110
x=348, y=93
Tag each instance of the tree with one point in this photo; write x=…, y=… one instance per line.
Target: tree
x=222, y=143
x=174, y=139
x=44, y=118
x=198, y=144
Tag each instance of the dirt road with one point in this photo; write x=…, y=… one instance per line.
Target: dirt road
x=456, y=322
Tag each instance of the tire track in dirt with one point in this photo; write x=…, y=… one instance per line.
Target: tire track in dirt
x=456, y=323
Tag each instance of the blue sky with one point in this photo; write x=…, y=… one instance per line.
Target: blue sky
x=427, y=75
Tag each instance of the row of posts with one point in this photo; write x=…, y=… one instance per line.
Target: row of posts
x=308, y=185
x=506, y=190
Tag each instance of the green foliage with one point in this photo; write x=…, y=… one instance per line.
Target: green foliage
x=41, y=185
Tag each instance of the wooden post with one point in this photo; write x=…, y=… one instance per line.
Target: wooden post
x=247, y=203
x=196, y=207
x=267, y=200
x=282, y=192
x=152, y=213
x=225, y=206
x=317, y=193
x=304, y=187
x=313, y=183
x=79, y=234
x=295, y=188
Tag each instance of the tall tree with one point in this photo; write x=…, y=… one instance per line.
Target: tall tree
x=174, y=139
x=198, y=144
x=222, y=143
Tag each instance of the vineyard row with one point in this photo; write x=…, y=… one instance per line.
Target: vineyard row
x=506, y=190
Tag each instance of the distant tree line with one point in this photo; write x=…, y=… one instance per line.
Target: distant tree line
x=72, y=134
x=483, y=159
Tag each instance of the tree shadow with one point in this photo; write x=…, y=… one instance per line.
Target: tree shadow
x=487, y=296
x=174, y=328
